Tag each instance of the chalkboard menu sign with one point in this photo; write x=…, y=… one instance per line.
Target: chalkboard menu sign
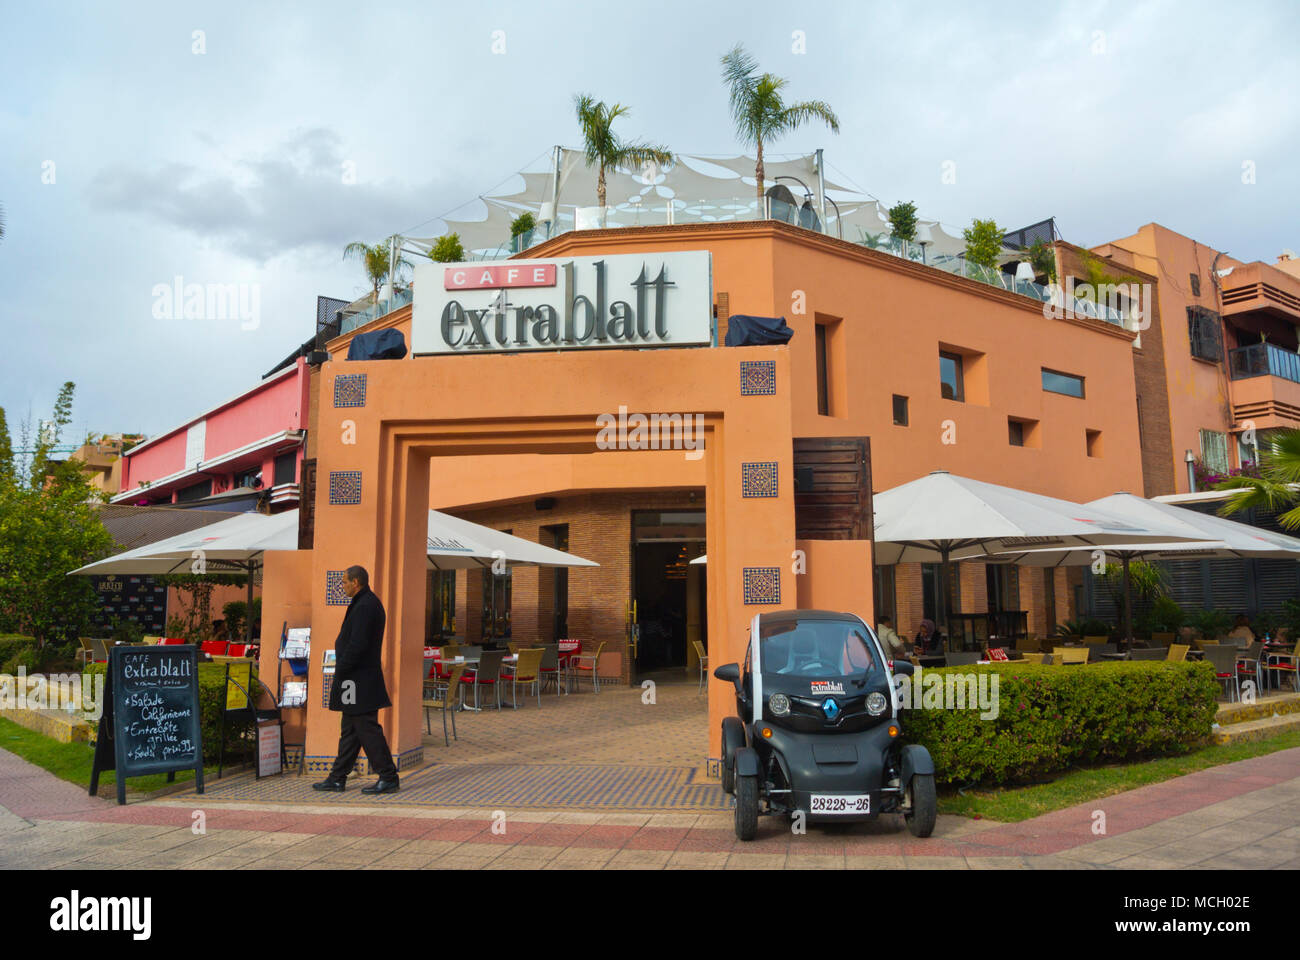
x=151, y=715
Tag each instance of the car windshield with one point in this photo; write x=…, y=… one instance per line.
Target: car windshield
x=816, y=648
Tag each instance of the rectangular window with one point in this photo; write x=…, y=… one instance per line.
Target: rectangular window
x=950, y=377
x=286, y=467
x=823, y=384
x=1093, y=440
x=195, y=492
x=1204, y=334
x=1015, y=432
x=1214, y=451
x=1063, y=383
x=900, y=411
x=1196, y=284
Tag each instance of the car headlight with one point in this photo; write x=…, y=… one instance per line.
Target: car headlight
x=876, y=704
x=779, y=704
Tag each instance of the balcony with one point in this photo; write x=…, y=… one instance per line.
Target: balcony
x=1261, y=288
x=1265, y=386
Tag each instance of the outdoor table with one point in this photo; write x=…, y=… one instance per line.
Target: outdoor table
x=1114, y=656
x=932, y=661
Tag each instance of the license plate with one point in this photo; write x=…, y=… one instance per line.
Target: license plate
x=832, y=804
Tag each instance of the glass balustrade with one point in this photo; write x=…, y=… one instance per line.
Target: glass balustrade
x=1263, y=360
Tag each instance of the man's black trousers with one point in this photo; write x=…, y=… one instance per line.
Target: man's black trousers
x=362, y=731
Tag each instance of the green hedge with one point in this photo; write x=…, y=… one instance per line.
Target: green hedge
x=15, y=650
x=212, y=701
x=1054, y=717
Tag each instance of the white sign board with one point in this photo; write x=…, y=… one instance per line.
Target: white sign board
x=196, y=439
x=624, y=300
x=268, y=748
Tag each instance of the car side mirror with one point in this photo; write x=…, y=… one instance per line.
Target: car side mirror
x=902, y=668
x=729, y=672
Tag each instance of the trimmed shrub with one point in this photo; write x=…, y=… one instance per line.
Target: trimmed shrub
x=1053, y=717
x=212, y=701
x=17, y=650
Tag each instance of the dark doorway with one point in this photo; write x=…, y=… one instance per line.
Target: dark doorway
x=661, y=572
x=667, y=593
x=553, y=586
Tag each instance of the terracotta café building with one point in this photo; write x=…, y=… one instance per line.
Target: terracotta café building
x=516, y=408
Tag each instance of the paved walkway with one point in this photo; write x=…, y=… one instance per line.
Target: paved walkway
x=1240, y=815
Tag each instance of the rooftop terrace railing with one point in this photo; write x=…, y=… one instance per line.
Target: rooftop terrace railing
x=1263, y=360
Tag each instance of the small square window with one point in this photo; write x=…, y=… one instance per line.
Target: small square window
x=900, y=411
x=1016, y=433
x=1093, y=439
x=950, y=377
x=1196, y=284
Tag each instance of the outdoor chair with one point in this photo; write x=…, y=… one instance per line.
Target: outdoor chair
x=1223, y=657
x=487, y=674
x=516, y=645
x=1097, y=650
x=470, y=651
x=525, y=670
x=1148, y=653
x=1177, y=652
x=962, y=658
x=1280, y=665
x=216, y=648
x=582, y=663
x=551, y=668
x=1070, y=655
x=703, y=656
x=440, y=696
x=1250, y=664
x=442, y=662
x=1034, y=657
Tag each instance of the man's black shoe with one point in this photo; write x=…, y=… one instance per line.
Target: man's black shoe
x=333, y=786
x=382, y=786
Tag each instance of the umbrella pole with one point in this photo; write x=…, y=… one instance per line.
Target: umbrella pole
x=248, y=610
x=1128, y=608
x=944, y=595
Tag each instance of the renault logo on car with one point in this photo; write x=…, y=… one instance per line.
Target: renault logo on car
x=830, y=708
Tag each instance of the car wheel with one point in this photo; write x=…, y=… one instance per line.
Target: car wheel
x=923, y=805
x=733, y=739
x=746, y=807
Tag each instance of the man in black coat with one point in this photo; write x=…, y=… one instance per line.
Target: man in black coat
x=358, y=691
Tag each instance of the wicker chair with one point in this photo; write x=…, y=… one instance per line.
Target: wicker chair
x=440, y=696
x=588, y=663
x=525, y=670
x=703, y=656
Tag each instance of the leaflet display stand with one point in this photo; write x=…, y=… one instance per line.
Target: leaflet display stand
x=291, y=692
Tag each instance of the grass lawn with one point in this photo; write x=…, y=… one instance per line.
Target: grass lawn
x=1009, y=804
x=72, y=761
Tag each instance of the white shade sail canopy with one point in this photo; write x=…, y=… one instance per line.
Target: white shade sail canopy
x=1214, y=538
x=234, y=545
x=942, y=517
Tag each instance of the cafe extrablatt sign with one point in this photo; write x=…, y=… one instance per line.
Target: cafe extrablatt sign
x=624, y=300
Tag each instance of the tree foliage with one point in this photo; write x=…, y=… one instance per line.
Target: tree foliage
x=49, y=525
x=447, y=249
x=902, y=220
x=983, y=242
x=1277, y=488
x=603, y=148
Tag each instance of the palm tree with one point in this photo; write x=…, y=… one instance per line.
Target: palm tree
x=758, y=111
x=603, y=148
x=1277, y=487
x=376, y=263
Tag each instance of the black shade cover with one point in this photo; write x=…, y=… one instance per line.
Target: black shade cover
x=743, y=331
x=378, y=345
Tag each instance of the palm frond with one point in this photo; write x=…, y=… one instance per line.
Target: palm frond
x=1254, y=492
x=738, y=69
x=797, y=114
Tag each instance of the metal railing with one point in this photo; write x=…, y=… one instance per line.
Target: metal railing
x=1263, y=360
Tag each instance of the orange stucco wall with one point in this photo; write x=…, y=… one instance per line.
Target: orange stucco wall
x=502, y=428
x=286, y=601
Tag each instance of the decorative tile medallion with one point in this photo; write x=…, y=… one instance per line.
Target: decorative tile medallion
x=350, y=390
x=762, y=584
x=326, y=684
x=334, y=595
x=757, y=378
x=345, y=487
x=758, y=479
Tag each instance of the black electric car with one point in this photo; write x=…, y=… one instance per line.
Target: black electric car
x=817, y=727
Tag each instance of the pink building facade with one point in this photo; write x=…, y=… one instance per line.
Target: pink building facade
x=242, y=454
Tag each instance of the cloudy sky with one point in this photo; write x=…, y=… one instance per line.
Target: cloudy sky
x=134, y=151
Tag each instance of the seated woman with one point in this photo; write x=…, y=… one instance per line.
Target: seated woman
x=928, y=639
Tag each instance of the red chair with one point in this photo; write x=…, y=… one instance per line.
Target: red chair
x=239, y=650
x=487, y=674
x=172, y=641
x=216, y=648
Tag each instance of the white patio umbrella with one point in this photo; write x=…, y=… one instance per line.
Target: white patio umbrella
x=456, y=544
x=942, y=517
x=231, y=546
x=1213, y=537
